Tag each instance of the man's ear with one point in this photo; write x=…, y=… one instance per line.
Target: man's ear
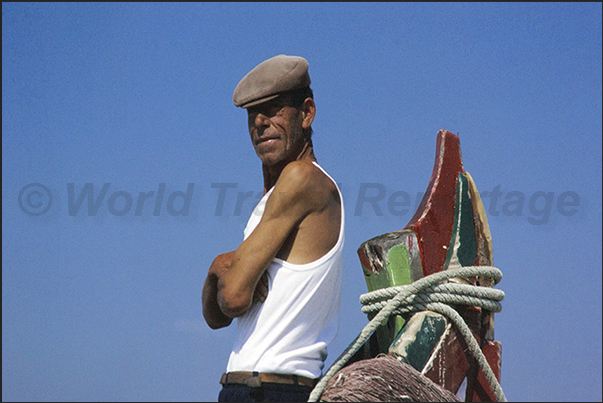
x=308, y=112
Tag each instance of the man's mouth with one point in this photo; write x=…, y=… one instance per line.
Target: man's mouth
x=266, y=140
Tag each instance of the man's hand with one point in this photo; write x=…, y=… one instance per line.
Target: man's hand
x=261, y=290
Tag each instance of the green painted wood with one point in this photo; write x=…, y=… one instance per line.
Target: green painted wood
x=418, y=339
x=396, y=271
x=375, y=259
x=466, y=229
x=462, y=249
x=399, y=265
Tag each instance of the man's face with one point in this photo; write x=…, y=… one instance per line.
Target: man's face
x=276, y=131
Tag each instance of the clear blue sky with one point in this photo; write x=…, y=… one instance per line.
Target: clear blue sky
x=102, y=302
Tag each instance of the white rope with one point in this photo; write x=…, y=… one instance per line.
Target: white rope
x=426, y=294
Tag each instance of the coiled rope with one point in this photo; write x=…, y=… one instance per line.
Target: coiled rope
x=427, y=294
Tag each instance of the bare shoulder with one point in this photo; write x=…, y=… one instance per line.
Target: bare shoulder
x=304, y=176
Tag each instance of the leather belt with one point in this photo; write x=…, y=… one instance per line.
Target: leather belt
x=255, y=379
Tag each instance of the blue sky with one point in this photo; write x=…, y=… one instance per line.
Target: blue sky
x=102, y=302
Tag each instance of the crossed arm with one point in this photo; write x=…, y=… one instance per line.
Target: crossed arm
x=236, y=279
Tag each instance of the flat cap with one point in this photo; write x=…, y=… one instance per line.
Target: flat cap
x=270, y=78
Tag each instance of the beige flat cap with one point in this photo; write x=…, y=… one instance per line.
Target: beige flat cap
x=270, y=78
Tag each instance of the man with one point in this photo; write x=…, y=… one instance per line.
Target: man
x=283, y=283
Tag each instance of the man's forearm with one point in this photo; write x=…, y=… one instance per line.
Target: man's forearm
x=212, y=313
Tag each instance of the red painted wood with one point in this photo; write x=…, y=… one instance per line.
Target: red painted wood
x=450, y=366
x=453, y=361
x=478, y=388
x=432, y=223
x=366, y=262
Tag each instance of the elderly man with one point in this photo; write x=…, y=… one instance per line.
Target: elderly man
x=283, y=282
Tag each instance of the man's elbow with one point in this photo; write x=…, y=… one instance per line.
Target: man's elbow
x=234, y=303
x=216, y=319
x=216, y=324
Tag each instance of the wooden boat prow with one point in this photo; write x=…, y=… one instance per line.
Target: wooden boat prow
x=449, y=230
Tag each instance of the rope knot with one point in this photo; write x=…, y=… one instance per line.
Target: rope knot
x=428, y=294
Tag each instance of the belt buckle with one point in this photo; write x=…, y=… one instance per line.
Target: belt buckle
x=254, y=381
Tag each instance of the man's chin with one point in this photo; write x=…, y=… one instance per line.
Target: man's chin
x=269, y=160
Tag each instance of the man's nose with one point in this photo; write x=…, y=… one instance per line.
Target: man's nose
x=262, y=120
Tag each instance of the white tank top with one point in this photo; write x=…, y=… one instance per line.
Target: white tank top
x=289, y=332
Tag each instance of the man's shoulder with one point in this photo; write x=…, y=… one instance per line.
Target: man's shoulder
x=305, y=175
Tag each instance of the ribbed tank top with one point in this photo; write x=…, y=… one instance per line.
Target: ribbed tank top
x=289, y=332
